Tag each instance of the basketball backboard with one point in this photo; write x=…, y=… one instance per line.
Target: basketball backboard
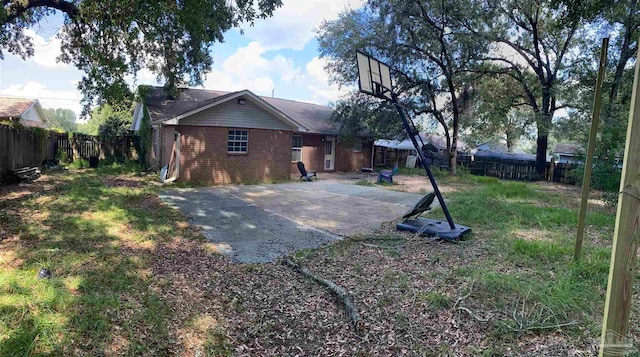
x=374, y=77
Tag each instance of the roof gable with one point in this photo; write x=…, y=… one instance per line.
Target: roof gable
x=309, y=118
x=230, y=113
x=15, y=107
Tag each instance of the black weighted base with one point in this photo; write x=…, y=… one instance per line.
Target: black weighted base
x=433, y=228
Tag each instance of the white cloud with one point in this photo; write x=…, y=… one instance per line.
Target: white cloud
x=293, y=24
x=247, y=68
x=317, y=80
x=69, y=99
x=46, y=51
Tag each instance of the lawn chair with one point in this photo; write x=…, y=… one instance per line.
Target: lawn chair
x=387, y=175
x=304, y=174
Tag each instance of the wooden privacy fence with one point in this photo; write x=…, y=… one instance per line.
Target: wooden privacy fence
x=81, y=146
x=21, y=147
x=517, y=169
x=507, y=168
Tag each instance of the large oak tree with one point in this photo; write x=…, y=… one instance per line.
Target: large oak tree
x=426, y=45
x=110, y=40
x=540, y=38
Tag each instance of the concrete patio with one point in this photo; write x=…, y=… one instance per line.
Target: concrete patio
x=259, y=223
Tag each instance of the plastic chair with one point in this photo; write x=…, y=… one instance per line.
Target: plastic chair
x=304, y=174
x=387, y=175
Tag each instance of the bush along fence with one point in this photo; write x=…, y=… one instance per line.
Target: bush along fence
x=30, y=147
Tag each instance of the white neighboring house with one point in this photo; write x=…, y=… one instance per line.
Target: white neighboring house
x=27, y=112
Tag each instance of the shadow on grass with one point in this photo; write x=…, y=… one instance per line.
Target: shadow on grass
x=99, y=243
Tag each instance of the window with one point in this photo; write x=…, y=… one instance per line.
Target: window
x=296, y=148
x=238, y=141
x=357, y=146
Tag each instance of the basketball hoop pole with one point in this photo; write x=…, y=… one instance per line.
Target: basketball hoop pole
x=374, y=79
x=412, y=134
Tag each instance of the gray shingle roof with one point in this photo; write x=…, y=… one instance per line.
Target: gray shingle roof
x=316, y=118
x=161, y=107
x=566, y=148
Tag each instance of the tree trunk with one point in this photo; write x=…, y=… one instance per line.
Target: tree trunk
x=541, y=155
x=453, y=152
x=544, y=124
x=626, y=53
x=510, y=140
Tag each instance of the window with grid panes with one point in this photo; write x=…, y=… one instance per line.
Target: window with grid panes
x=296, y=148
x=238, y=141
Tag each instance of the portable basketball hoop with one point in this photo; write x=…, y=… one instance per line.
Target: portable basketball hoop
x=374, y=78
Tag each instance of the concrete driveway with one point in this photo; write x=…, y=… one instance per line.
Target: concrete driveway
x=259, y=223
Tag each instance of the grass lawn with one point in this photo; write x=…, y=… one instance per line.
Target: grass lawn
x=99, y=233
x=132, y=277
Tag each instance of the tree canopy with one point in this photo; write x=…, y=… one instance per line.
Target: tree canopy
x=504, y=69
x=500, y=112
x=111, y=40
x=107, y=120
x=427, y=45
x=61, y=119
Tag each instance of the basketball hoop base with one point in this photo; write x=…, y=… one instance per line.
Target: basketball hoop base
x=433, y=228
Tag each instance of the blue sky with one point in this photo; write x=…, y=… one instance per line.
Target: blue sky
x=279, y=53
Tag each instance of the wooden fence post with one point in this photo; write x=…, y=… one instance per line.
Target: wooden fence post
x=625, y=239
x=595, y=120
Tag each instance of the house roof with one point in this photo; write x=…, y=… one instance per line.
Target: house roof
x=439, y=141
x=15, y=107
x=316, y=118
x=498, y=147
x=566, y=148
x=161, y=107
x=312, y=117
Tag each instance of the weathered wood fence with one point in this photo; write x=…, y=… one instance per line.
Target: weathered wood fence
x=502, y=167
x=22, y=146
x=81, y=146
x=517, y=169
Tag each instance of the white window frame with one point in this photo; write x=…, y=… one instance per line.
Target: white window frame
x=237, y=136
x=296, y=148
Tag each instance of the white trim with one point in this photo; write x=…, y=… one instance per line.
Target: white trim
x=35, y=114
x=234, y=140
x=137, y=117
x=299, y=149
x=40, y=110
x=332, y=156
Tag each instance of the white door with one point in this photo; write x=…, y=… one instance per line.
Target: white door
x=329, y=153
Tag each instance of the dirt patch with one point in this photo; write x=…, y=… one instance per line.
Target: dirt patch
x=130, y=182
x=26, y=189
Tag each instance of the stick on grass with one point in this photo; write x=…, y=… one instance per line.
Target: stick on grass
x=337, y=290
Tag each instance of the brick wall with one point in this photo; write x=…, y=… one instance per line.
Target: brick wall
x=349, y=160
x=204, y=157
x=346, y=158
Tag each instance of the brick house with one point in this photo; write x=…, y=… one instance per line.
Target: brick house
x=231, y=137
